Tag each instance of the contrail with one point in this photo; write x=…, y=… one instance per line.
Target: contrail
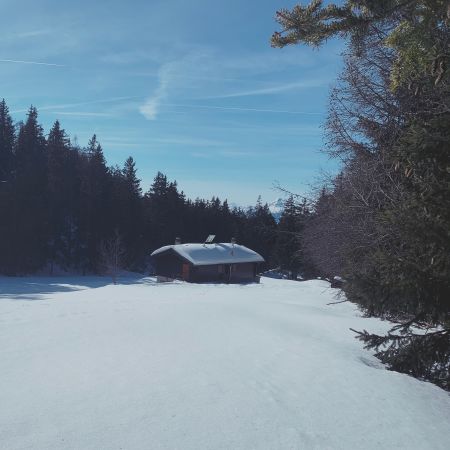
x=245, y=109
x=74, y=105
x=31, y=62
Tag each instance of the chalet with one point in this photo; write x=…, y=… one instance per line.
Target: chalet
x=208, y=262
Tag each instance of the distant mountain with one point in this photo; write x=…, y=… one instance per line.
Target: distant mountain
x=276, y=208
x=233, y=205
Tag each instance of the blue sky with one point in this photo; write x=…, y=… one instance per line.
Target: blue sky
x=190, y=88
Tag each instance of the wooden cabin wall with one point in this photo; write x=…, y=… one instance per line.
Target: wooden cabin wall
x=169, y=265
x=241, y=273
x=233, y=273
x=210, y=273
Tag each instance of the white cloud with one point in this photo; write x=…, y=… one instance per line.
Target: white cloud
x=203, y=74
x=150, y=108
x=171, y=75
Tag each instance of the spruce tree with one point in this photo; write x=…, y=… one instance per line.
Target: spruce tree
x=60, y=220
x=386, y=216
x=6, y=143
x=260, y=231
x=29, y=237
x=131, y=222
x=7, y=137
x=129, y=172
x=159, y=222
x=415, y=30
x=289, y=252
x=95, y=205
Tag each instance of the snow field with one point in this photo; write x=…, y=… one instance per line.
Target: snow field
x=86, y=365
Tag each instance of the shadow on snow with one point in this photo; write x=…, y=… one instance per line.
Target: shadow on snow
x=36, y=288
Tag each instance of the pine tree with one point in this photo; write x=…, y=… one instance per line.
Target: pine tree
x=289, y=251
x=29, y=238
x=60, y=202
x=131, y=219
x=260, y=231
x=60, y=220
x=386, y=218
x=129, y=172
x=7, y=138
x=95, y=206
x=6, y=143
x=165, y=212
x=416, y=31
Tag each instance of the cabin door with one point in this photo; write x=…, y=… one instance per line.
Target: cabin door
x=185, y=272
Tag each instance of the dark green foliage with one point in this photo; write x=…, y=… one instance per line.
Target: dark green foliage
x=425, y=356
x=168, y=214
x=260, y=232
x=60, y=194
x=7, y=166
x=132, y=181
x=130, y=219
x=59, y=203
x=95, y=204
x=164, y=212
x=29, y=208
x=6, y=143
x=384, y=222
x=289, y=250
x=416, y=31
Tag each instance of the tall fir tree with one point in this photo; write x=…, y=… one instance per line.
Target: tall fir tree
x=131, y=220
x=165, y=208
x=30, y=208
x=60, y=197
x=95, y=206
x=387, y=212
x=130, y=174
x=289, y=251
x=260, y=231
x=7, y=137
x=60, y=202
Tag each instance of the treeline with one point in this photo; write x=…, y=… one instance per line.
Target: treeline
x=383, y=223
x=59, y=203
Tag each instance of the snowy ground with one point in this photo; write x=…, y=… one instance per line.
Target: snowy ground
x=86, y=365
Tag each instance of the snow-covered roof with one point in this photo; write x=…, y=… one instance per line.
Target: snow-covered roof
x=206, y=254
